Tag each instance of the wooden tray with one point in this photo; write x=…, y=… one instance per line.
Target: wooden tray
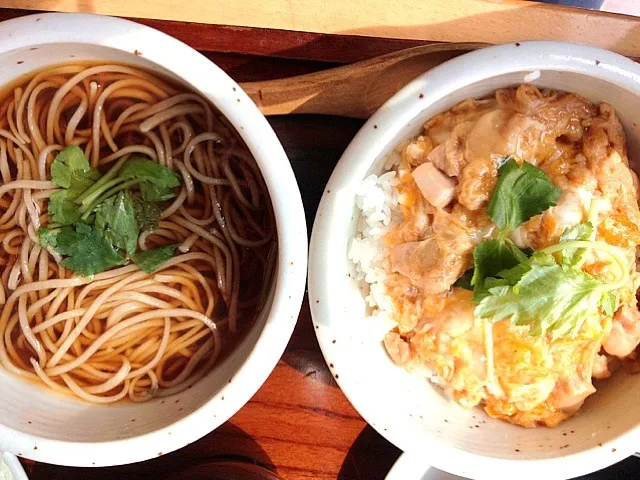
x=434, y=20
x=299, y=425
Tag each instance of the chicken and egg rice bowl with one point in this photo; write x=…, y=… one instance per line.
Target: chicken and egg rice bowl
x=501, y=243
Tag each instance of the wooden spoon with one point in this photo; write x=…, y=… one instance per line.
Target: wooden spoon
x=355, y=90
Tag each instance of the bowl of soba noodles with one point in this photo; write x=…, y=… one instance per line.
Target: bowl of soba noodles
x=152, y=242
x=481, y=301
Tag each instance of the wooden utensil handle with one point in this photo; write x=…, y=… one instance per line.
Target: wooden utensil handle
x=355, y=90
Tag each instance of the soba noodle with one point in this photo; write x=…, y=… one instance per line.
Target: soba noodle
x=124, y=333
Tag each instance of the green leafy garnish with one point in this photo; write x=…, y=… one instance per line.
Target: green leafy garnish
x=62, y=209
x=491, y=257
x=548, y=297
x=608, y=303
x=71, y=170
x=47, y=237
x=149, y=261
x=520, y=193
x=116, y=220
x=156, y=193
x=147, y=214
x=102, y=216
x=145, y=170
x=465, y=280
x=87, y=251
x=582, y=231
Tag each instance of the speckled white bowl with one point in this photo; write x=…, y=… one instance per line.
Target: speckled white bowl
x=37, y=424
x=408, y=410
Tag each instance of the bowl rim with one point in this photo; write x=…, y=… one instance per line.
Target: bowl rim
x=194, y=68
x=374, y=137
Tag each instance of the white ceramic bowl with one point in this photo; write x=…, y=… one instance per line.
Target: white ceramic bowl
x=405, y=409
x=37, y=424
x=10, y=467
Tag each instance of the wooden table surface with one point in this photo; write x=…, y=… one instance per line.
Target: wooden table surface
x=299, y=425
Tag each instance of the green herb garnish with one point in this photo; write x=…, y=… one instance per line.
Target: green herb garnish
x=147, y=214
x=491, y=257
x=157, y=183
x=149, y=261
x=103, y=215
x=116, y=220
x=87, y=251
x=465, y=280
x=582, y=231
x=520, y=193
x=71, y=170
x=550, y=295
x=61, y=208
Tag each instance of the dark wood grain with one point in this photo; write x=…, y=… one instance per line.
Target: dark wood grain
x=269, y=42
x=299, y=425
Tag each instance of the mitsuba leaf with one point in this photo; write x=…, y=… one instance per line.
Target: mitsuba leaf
x=520, y=193
x=582, y=231
x=151, y=260
x=147, y=214
x=146, y=170
x=71, y=170
x=156, y=193
x=62, y=210
x=48, y=237
x=116, y=220
x=548, y=297
x=88, y=252
x=465, y=280
x=608, y=303
x=491, y=257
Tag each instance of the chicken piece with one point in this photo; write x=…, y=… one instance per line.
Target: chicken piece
x=427, y=266
x=570, y=393
x=452, y=159
x=438, y=156
x=477, y=182
x=462, y=229
x=435, y=263
x=435, y=186
x=440, y=127
x=600, y=369
x=500, y=133
x=625, y=332
x=560, y=114
x=544, y=230
x=397, y=348
x=605, y=132
x=416, y=152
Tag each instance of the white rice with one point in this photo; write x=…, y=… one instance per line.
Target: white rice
x=376, y=197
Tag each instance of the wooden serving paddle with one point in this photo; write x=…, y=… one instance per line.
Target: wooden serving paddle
x=355, y=90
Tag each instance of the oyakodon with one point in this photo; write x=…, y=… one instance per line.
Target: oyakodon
x=502, y=245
